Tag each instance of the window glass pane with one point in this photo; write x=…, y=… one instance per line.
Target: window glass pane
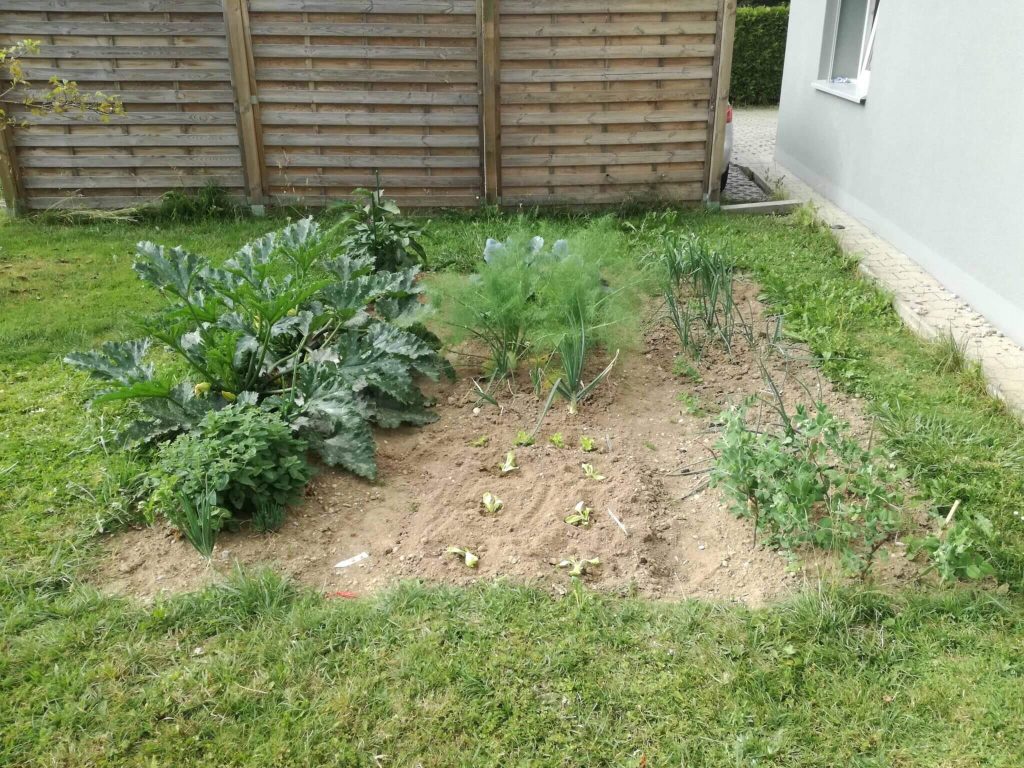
x=849, y=38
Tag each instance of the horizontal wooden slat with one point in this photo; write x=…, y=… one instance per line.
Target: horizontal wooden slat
x=697, y=91
x=355, y=29
x=602, y=139
x=211, y=160
x=603, y=118
x=98, y=6
x=169, y=96
x=208, y=72
x=153, y=28
x=533, y=52
x=563, y=178
x=526, y=7
x=360, y=75
x=691, y=193
x=435, y=201
x=117, y=139
x=129, y=52
x=608, y=29
x=366, y=6
x=133, y=117
x=603, y=158
x=440, y=140
x=372, y=161
x=618, y=74
x=148, y=181
x=364, y=52
x=391, y=97
x=353, y=180
x=370, y=118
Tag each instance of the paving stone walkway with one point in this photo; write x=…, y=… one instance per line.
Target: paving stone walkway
x=924, y=304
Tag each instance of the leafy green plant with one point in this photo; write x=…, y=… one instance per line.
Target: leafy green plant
x=557, y=440
x=374, y=229
x=241, y=459
x=683, y=367
x=580, y=516
x=200, y=520
x=572, y=355
x=578, y=567
x=691, y=403
x=287, y=324
x=590, y=473
x=467, y=557
x=480, y=442
x=524, y=438
x=491, y=503
x=809, y=483
x=588, y=444
x=961, y=550
x=509, y=465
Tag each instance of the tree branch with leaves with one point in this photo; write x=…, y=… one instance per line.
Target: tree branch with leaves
x=59, y=97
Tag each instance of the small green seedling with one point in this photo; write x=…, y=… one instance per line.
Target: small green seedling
x=682, y=367
x=471, y=560
x=591, y=473
x=510, y=463
x=588, y=444
x=557, y=440
x=481, y=442
x=650, y=446
x=580, y=517
x=579, y=567
x=524, y=438
x=492, y=504
x=691, y=403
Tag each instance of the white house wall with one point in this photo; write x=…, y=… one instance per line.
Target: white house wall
x=933, y=161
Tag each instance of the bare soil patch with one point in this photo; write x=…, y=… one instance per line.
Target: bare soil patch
x=680, y=539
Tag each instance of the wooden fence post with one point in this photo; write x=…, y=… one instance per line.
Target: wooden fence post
x=10, y=180
x=243, y=80
x=490, y=98
x=721, y=79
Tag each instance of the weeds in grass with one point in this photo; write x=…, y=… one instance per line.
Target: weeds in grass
x=950, y=354
x=373, y=228
x=188, y=206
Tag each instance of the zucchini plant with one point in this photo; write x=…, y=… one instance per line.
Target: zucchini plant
x=290, y=324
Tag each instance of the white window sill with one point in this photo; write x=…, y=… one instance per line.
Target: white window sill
x=848, y=91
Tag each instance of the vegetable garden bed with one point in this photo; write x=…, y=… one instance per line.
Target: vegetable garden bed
x=502, y=480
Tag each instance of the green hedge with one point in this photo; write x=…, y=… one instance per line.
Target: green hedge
x=759, y=54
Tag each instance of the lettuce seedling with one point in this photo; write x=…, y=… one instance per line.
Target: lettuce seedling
x=480, y=442
x=588, y=444
x=491, y=503
x=557, y=440
x=591, y=473
x=524, y=438
x=510, y=463
x=471, y=560
x=579, y=567
x=580, y=518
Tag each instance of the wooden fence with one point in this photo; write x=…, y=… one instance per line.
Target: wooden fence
x=453, y=102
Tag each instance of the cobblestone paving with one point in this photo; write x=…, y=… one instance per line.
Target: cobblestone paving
x=740, y=189
x=924, y=304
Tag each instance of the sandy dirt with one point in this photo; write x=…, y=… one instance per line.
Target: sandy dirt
x=680, y=539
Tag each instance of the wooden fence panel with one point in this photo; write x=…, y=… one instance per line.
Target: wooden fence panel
x=452, y=102
x=347, y=89
x=605, y=102
x=168, y=61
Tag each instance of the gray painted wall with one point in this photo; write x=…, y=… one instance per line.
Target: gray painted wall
x=933, y=161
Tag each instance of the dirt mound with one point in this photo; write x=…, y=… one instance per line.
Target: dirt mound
x=676, y=538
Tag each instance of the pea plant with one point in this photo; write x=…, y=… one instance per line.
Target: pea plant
x=809, y=482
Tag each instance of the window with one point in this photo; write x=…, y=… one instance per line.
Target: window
x=847, y=48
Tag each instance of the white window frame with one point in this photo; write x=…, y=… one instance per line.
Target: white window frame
x=857, y=89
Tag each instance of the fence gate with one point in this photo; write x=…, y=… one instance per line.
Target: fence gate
x=452, y=102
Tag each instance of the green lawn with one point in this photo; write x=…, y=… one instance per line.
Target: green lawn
x=260, y=673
